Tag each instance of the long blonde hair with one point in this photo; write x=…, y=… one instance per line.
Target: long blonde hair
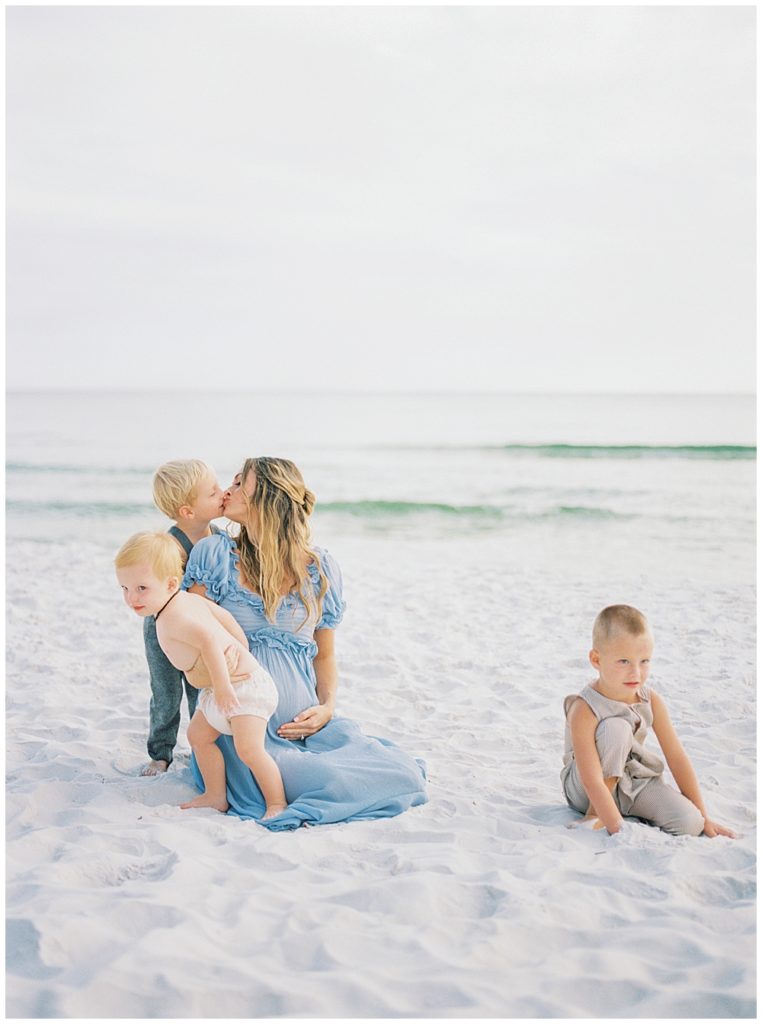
x=282, y=505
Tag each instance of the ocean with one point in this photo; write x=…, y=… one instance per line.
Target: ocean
x=642, y=484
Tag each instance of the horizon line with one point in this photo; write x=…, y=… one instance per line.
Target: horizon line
x=376, y=392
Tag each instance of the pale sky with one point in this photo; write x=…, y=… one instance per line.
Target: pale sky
x=409, y=198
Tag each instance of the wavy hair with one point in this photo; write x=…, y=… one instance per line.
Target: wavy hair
x=282, y=505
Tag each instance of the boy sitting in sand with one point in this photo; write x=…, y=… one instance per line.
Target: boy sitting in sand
x=207, y=644
x=607, y=771
x=185, y=490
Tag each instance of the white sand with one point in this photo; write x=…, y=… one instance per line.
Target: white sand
x=480, y=904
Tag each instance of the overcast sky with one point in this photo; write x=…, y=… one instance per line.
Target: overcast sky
x=410, y=198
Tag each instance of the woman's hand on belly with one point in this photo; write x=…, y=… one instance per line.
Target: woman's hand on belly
x=306, y=723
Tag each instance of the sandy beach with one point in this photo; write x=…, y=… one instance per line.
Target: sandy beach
x=480, y=904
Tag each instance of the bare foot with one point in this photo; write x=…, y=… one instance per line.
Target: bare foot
x=218, y=803
x=273, y=811
x=155, y=768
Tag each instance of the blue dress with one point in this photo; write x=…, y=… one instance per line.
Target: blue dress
x=339, y=774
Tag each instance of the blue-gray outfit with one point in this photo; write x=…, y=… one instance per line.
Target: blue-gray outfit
x=337, y=774
x=167, y=683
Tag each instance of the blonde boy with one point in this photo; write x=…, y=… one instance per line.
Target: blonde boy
x=185, y=490
x=607, y=772
x=206, y=643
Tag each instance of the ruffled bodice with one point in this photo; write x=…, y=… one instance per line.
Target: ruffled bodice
x=281, y=640
x=214, y=564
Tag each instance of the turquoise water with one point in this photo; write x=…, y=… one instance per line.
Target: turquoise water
x=674, y=475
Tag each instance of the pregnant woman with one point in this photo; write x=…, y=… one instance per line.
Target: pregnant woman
x=287, y=598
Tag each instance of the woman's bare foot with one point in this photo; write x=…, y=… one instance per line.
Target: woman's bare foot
x=155, y=768
x=273, y=811
x=218, y=803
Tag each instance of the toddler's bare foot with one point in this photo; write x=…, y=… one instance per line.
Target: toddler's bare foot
x=218, y=803
x=273, y=811
x=154, y=768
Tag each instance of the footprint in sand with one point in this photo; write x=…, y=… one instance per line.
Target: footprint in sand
x=719, y=890
x=114, y=870
x=22, y=944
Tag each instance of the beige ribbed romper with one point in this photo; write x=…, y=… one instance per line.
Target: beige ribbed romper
x=641, y=791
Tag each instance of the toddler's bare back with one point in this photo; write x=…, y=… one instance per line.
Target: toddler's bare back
x=192, y=609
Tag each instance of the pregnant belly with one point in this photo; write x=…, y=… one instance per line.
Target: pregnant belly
x=294, y=680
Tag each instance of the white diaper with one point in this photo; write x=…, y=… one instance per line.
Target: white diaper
x=257, y=696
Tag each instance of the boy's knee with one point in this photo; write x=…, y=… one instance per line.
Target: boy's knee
x=198, y=733
x=249, y=753
x=250, y=749
x=614, y=730
x=613, y=740
x=688, y=821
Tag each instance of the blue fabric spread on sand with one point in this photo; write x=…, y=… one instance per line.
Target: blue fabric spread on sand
x=339, y=774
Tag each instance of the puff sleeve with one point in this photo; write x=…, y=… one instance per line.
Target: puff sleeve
x=209, y=564
x=333, y=600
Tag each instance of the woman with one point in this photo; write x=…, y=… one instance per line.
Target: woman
x=287, y=598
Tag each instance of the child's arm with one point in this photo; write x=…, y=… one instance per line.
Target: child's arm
x=583, y=723
x=229, y=622
x=680, y=764
x=214, y=659
x=221, y=614
x=189, y=629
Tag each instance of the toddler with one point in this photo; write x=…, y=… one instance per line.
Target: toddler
x=607, y=771
x=207, y=644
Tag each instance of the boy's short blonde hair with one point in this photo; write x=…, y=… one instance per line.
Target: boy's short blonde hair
x=176, y=484
x=618, y=618
x=159, y=550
